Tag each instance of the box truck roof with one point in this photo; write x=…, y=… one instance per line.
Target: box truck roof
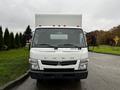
x=58, y=20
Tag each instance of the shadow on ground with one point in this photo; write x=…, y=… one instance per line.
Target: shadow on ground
x=59, y=85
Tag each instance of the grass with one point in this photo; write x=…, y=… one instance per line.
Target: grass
x=106, y=49
x=13, y=63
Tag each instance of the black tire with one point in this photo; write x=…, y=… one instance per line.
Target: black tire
x=77, y=80
x=39, y=80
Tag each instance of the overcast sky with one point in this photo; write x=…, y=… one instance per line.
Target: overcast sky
x=97, y=14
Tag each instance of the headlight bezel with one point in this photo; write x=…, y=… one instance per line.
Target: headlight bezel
x=83, y=64
x=84, y=60
x=34, y=64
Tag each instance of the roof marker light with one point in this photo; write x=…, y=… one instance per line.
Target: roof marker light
x=64, y=25
x=53, y=25
x=40, y=25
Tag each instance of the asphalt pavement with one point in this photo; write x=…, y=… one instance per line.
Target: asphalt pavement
x=104, y=74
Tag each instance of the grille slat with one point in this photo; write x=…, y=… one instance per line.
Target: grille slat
x=49, y=62
x=58, y=62
x=59, y=70
x=68, y=63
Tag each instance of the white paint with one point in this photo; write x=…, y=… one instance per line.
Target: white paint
x=58, y=19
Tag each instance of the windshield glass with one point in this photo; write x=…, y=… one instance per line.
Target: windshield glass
x=58, y=37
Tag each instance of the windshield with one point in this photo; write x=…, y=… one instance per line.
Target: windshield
x=58, y=37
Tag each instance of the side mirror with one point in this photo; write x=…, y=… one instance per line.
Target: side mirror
x=33, y=33
x=85, y=33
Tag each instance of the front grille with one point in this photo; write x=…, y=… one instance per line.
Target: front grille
x=49, y=62
x=59, y=62
x=58, y=70
x=68, y=62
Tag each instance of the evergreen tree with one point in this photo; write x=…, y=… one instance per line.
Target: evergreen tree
x=23, y=40
x=20, y=37
x=17, y=41
x=6, y=38
x=12, y=41
x=1, y=38
x=28, y=34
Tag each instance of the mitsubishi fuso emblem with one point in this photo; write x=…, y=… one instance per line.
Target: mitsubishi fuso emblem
x=59, y=63
x=63, y=58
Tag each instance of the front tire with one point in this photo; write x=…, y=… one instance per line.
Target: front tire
x=77, y=80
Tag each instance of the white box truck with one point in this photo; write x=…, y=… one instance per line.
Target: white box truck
x=58, y=49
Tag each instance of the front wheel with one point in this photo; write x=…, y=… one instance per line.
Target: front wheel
x=77, y=80
x=39, y=80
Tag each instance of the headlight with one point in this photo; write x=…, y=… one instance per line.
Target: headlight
x=83, y=64
x=84, y=60
x=34, y=64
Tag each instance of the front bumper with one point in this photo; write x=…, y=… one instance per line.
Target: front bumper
x=77, y=74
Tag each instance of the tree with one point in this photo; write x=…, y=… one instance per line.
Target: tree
x=6, y=38
x=20, y=37
x=1, y=38
x=12, y=41
x=28, y=34
x=17, y=41
x=110, y=37
x=23, y=40
x=116, y=39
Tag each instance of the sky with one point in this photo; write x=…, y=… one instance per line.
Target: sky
x=97, y=14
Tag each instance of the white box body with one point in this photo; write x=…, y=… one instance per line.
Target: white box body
x=58, y=19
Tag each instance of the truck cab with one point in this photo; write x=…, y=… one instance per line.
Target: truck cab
x=58, y=52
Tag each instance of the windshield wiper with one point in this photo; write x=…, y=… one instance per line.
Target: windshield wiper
x=47, y=45
x=69, y=44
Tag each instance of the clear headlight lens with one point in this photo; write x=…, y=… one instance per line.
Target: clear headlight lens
x=34, y=64
x=83, y=64
x=84, y=60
